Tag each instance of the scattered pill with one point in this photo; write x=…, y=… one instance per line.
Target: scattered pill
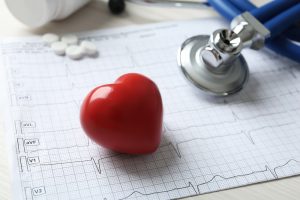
x=89, y=48
x=75, y=52
x=49, y=38
x=68, y=45
x=59, y=48
x=70, y=39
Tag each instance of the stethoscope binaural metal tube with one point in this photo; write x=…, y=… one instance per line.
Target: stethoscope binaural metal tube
x=171, y=3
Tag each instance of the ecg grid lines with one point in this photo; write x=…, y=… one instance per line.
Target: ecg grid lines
x=208, y=144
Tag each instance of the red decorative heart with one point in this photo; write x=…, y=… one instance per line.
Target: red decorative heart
x=125, y=116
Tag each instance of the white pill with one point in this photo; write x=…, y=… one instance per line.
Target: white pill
x=59, y=48
x=89, y=48
x=75, y=52
x=49, y=38
x=69, y=39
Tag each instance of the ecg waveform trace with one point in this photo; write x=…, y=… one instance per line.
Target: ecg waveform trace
x=208, y=144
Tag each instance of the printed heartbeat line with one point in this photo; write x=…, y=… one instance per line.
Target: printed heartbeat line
x=248, y=135
x=68, y=72
x=175, y=147
x=197, y=190
x=77, y=104
x=167, y=129
x=235, y=119
x=148, y=194
x=71, y=86
x=95, y=162
x=55, y=131
x=58, y=148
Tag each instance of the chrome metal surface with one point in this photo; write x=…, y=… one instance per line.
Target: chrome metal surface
x=197, y=72
x=223, y=47
x=251, y=31
x=171, y=3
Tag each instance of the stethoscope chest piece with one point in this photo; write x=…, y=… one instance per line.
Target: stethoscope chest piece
x=223, y=81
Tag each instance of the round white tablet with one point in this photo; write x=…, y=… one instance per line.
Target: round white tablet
x=75, y=52
x=70, y=39
x=59, y=48
x=49, y=38
x=89, y=48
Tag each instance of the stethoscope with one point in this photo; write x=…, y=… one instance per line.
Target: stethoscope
x=214, y=63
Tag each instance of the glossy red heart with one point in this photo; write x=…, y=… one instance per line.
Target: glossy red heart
x=125, y=116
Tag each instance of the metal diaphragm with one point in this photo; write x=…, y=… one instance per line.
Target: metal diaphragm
x=223, y=83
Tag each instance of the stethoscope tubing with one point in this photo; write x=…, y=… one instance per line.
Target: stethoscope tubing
x=283, y=21
x=281, y=45
x=293, y=34
x=278, y=16
x=266, y=11
x=263, y=14
x=270, y=10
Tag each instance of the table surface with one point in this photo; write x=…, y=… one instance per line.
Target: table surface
x=96, y=16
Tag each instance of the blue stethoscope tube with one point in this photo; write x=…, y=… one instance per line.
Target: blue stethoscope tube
x=272, y=9
x=289, y=14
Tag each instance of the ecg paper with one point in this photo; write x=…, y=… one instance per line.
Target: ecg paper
x=208, y=144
